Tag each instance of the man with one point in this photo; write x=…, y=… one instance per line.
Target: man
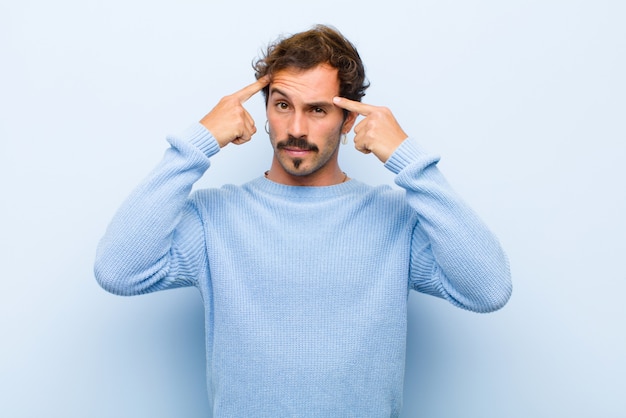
x=304, y=272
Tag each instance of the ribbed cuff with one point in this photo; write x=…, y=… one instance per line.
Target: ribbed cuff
x=198, y=136
x=407, y=153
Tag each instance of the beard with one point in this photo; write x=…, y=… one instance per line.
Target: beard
x=315, y=160
x=299, y=143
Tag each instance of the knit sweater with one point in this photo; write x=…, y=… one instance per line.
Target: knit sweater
x=305, y=288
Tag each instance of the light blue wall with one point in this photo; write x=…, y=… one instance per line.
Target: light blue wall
x=524, y=100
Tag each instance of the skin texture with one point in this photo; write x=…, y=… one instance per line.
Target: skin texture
x=306, y=120
x=306, y=127
x=229, y=121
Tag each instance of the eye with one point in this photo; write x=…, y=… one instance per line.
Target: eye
x=282, y=105
x=319, y=110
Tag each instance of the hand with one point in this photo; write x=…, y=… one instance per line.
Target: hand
x=228, y=121
x=378, y=133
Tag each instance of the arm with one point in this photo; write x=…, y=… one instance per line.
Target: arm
x=155, y=240
x=453, y=254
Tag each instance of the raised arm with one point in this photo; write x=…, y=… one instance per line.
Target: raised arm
x=155, y=240
x=453, y=253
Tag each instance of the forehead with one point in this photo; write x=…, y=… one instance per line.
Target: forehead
x=318, y=83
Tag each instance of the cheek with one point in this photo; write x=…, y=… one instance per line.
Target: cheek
x=332, y=131
x=275, y=120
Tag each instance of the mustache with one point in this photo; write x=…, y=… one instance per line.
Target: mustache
x=293, y=142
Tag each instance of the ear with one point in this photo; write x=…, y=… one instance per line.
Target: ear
x=348, y=122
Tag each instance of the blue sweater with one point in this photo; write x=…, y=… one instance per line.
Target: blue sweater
x=305, y=288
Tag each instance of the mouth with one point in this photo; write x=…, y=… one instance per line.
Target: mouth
x=296, y=152
x=296, y=146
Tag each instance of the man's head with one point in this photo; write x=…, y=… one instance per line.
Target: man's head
x=309, y=49
x=306, y=71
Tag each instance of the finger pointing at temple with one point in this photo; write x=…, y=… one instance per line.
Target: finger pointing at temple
x=378, y=133
x=353, y=106
x=247, y=92
x=229, y=121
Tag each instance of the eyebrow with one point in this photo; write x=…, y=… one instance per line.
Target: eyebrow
x=313, y=104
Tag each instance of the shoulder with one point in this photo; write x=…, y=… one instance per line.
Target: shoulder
x=217, y=194
x=353, y=193
x=383, y=193
x=385, y=200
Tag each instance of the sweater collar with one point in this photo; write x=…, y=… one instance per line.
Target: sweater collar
x=306, y=192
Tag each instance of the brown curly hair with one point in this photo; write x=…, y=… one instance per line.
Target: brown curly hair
x=306, y=50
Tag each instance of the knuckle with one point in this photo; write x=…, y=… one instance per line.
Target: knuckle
x=226, y=100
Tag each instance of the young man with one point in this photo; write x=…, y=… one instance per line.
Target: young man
x=304, y=272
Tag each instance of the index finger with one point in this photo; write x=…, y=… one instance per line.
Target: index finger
x=353, y=106
x=245, y=93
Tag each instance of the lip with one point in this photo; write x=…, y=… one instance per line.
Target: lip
x=296, y=151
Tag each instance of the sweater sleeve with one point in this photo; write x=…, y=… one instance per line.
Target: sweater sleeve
x=453, y=253
x=155, y=240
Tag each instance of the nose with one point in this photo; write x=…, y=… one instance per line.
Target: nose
x=298, y=126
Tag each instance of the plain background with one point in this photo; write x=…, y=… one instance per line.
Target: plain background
x=524, y=101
